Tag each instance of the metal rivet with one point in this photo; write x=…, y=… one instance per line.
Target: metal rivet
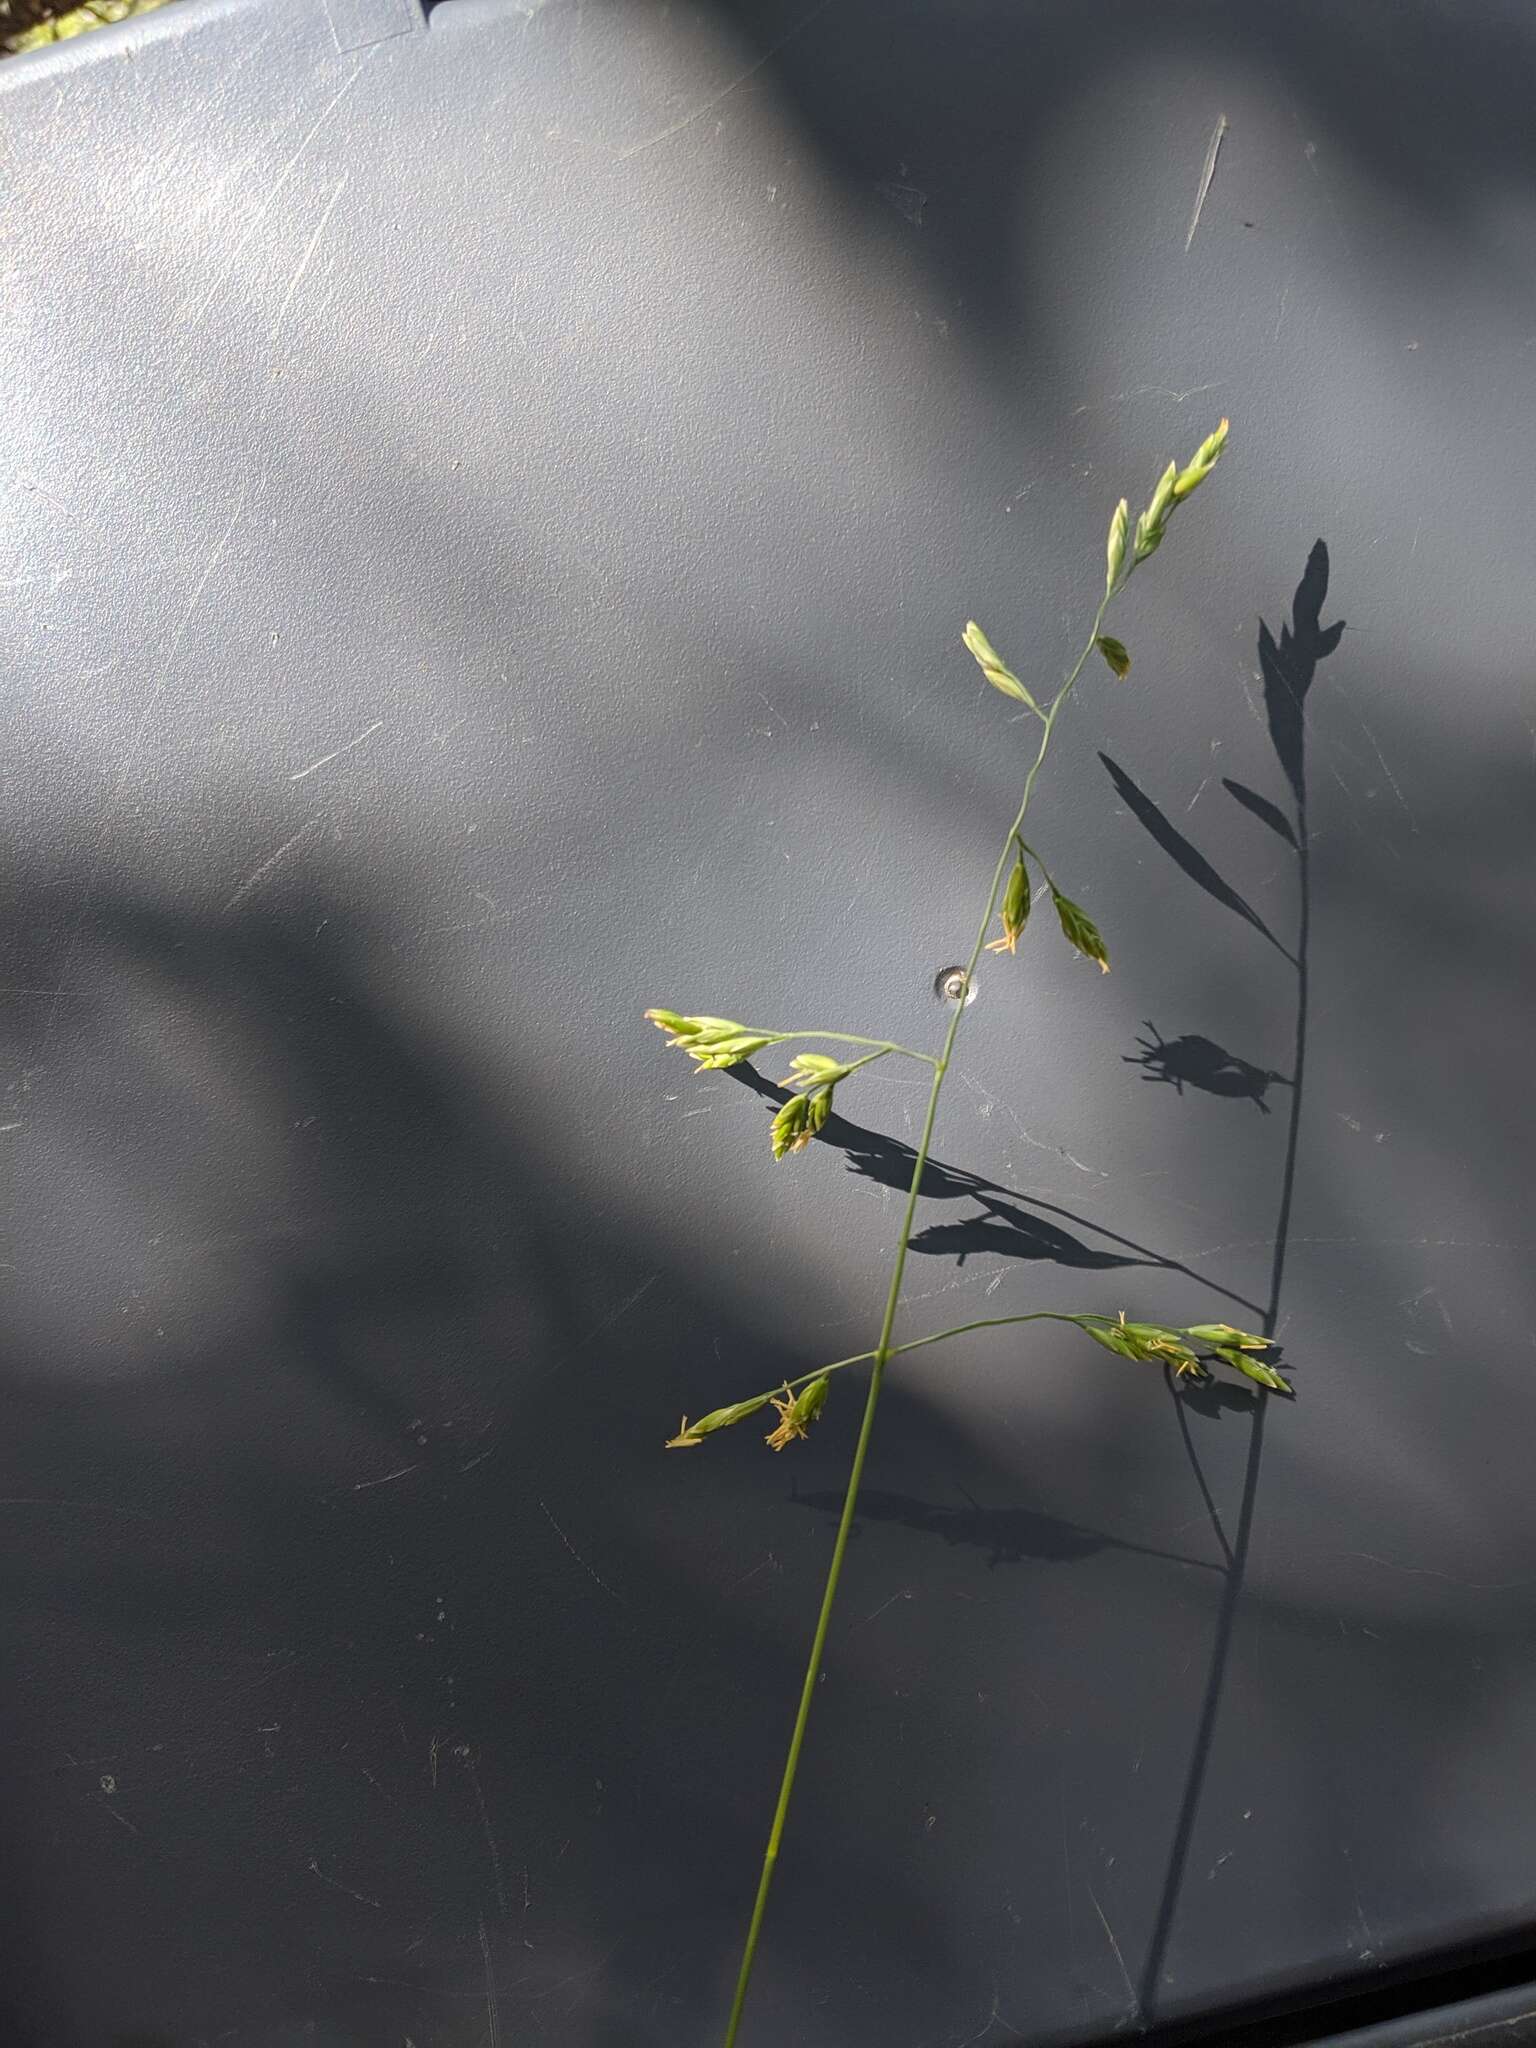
x=949, y=984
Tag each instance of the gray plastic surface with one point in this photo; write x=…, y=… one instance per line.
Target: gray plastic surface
x=490, y=504
x=1505, y=2019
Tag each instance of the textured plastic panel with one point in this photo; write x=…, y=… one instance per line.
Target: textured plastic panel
x=489, y=507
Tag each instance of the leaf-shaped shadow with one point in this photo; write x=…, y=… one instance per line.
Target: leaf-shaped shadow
x=1013, y=1225
x=1195, y=1061
x=1261, y=807
x=1184, y=854
x=1215, y=1398
x=1007, y=1535
x=1016, y=1234
x=1289, y=666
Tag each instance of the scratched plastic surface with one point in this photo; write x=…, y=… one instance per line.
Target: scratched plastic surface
x=489, y=507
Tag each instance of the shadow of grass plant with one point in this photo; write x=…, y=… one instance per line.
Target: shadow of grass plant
x=1187, y=1351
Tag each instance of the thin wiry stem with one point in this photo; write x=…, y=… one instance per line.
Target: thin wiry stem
x=881, y=1355
x=1039, y=1315
x=848, y=1038
x=869, y=1057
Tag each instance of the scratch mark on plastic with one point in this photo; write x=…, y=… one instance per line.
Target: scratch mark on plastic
x=1392, y=779
x=1103, y=1922
x=708, y=106
x=1424, y=1571
x=570, y=1546
x=135, y=743
x=121, y=1818
x=1365, y=1925
x=361, y=1897
x=991, y=1102
x=303, y=265
x=1206, y=176
x=1144, y=391
x=363, y=1485
x=260, y=874
x=326, y=759
x=623, y=1308
x=905, y=1593
x=1310, y=153
x=494, y=914
x=1285, y=293
x=283, y=176
x=493, y=2020
x=89, y=1507
x=485, y=1823
x=993, y=2019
